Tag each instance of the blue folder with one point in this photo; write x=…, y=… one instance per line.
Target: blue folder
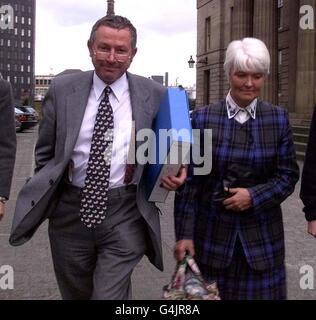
x=172, y=139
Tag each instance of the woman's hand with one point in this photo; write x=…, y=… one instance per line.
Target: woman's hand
x=240, y=201
x=312, y=228
x=182, y=248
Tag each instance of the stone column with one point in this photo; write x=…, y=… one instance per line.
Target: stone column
x=265, y=29
x=306, y=67
x=110, y=11
x=242, y=19
x=293, y=9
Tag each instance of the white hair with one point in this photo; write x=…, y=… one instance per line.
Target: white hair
x=248, y=55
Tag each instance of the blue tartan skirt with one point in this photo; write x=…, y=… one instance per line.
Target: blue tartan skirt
x=240, y=282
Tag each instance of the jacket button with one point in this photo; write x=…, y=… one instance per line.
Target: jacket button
x=33, y=203
x=51, y=182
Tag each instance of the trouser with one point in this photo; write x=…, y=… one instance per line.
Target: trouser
x=97, y=263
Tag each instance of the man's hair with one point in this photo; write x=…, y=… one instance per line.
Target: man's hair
x=115, y=22
x=248, y=55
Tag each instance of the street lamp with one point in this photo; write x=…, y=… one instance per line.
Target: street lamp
x=191, y=62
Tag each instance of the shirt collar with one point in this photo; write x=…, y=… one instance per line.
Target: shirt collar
x=118, y=87
x=233, y=108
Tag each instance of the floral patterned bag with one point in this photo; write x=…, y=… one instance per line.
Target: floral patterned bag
x=187, y=283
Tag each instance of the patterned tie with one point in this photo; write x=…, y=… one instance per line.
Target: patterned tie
x=94, y=198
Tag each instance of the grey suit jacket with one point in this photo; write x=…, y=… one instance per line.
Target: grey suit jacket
x=63, y=110
x=8, y=138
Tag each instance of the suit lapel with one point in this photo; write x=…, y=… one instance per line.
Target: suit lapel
x=75, y=109
x=140, y=103
x=141, y=111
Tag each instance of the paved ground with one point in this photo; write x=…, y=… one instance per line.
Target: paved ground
x=33, y=272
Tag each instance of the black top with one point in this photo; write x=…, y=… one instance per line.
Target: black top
x=308, y=187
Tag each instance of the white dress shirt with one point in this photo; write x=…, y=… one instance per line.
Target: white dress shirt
x=122, y=112
x=241, y=115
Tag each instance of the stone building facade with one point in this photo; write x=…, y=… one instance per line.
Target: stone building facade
x=292, y=82
x=17, y=47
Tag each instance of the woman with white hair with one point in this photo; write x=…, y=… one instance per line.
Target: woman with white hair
x=231, y=219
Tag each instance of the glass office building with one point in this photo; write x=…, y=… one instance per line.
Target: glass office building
x=17, y=47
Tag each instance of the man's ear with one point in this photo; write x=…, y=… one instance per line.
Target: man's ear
x=89, y=45
x=134, y=51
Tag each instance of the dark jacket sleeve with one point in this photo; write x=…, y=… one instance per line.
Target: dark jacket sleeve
x=8, y=138
x=308, y=186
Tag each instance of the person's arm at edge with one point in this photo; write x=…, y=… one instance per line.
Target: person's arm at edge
x=308, y=185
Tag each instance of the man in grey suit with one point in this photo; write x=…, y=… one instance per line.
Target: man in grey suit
x=100, y=223
x=7, y=142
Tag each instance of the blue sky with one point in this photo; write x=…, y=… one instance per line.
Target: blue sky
x=166, y=35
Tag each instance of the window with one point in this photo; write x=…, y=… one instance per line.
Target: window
x=9, y=67
x=280, y=14
x=30, y=21
x=29, y=45
x=22, y=44
x=29, y=33
x=280, y=63
x=207, y=85
x=16, y=31
x=280, y=58
x=9, y=43
x=22, y=32
x=22, y=68
x=208, y=34
x=22, y=20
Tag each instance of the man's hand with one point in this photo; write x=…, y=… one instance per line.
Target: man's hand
x=240, y=201
x=172, y=183
x=182, y=247
x=312, y=228
x=2, y=210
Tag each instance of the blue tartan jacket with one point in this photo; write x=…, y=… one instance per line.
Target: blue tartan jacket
x=263, y=144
